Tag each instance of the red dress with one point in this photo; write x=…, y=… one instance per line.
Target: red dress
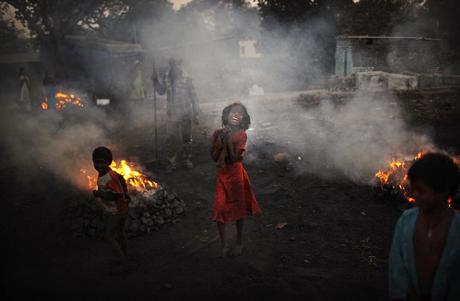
x=234, y=198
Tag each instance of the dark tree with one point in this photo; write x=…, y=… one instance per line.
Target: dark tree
x=443, y=17
x=50, y=20
x=372, y=17
x=273, y=12
x=308, y=30
x=376, y=17
x=139, y=14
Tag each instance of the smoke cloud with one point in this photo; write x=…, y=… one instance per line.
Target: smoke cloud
x=60, y=142
x=352, y=139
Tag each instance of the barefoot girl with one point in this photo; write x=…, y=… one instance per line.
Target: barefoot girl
x=234, y=198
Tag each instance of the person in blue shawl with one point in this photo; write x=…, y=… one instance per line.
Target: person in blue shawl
x=424, y=261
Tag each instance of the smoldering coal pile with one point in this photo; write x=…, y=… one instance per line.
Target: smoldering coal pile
x=149, y=211
x=392, y=183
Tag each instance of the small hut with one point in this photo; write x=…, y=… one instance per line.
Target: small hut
x=387, y=53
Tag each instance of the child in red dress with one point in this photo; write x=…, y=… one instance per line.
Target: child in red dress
x=234, y=198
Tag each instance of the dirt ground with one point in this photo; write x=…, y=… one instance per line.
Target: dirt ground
x=333, y=247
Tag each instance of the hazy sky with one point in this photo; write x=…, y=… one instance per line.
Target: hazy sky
x=178, y=3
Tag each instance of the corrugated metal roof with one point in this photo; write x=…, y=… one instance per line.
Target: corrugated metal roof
x=104, y=44
x=17, y=58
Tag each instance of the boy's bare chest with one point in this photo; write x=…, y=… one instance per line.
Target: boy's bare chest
x=430, y=242
x=429, y=245
x=430, y=239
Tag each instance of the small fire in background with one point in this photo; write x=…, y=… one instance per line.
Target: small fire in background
x=92, y=180
x=62, y=100
x=394, y=179
x=135, y=179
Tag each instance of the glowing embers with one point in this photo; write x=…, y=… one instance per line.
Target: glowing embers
x=394, y=179
x=92, y=180
x=134, y=178
x=63, y=100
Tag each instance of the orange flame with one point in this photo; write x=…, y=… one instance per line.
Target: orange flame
x=64, y=98
x=134, y=179
x=396, y=176
x=92, y=180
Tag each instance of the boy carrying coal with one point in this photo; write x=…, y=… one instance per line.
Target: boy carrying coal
x=424, y=261
x=112, y=196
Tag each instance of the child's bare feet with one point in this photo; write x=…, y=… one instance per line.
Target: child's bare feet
x=238, y=250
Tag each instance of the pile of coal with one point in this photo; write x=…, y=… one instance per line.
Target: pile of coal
x=389, y=192
x=148, y=211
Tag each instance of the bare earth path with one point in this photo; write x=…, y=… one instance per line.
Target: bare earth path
x=333, y=247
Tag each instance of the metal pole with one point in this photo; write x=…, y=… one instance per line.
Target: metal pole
x=154, y=75
x=156, y=122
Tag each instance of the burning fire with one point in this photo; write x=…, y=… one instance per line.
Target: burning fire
x=134, y=179
x=92, y=180
x=62, y=100
x=395, y=177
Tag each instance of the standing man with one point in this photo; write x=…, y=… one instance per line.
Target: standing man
x=137, y=87
x=182, y=110
x=24, y=100
x=49, y=90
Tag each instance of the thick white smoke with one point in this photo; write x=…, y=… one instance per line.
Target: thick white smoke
x=353, y=139
x=61, y=143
